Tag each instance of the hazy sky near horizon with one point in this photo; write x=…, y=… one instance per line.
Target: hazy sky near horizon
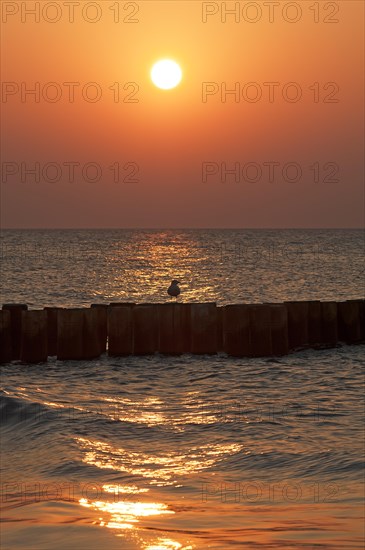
x=96, y=144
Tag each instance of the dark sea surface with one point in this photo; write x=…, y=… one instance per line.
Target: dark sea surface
x=190, y=452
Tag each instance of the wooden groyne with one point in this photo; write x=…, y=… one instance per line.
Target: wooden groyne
x=122, y=329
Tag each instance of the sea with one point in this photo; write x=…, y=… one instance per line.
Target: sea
x=187, y=452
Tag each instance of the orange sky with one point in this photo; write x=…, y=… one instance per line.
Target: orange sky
x=169, y=135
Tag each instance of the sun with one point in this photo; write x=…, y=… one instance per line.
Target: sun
x=166, y=74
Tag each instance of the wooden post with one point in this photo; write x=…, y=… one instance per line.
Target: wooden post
x=171, y=334
x=5, y=336
x=260, y=330
x=102, y=322
x=314, y=322
x=16, y=327
x=297, y=324
x=70, y=333
x=52, y=316
x=236, y=330
x=361, y=319
x=279, y=329
x=120, y=330
x=121, y=304
x=203, y=328
x=78, y=336
x=91, y=342
x=186, y=326
x=145, y=329
x=349, y=330
x=220, y=311
x=329, y=323
x=33, y=347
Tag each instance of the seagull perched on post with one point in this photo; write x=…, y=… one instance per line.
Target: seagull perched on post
x=173, y=289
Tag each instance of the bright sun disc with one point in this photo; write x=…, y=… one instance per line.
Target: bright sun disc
x=166, y=74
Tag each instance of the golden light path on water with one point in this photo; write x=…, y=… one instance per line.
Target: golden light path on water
x=164, y=257
x=160, y=470
x=155, y=411
x=125, y=516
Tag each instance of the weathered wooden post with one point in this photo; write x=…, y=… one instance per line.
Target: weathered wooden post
x=297, y=324
x=16, y=326
x=78, y=336
x=121, y=304
x=359, y=335
x=145, y=329
x=91, y=344
x=220, y=314
x=170, y=323
x=260, y=330
x=329, y=323
x=33, y=348
x=186, y=326
x=70, y=333
x=203, y=328
x=361, y=319
x=70, y=325
x=5, y=336
x=349, y=330
x=279, y=329
x=314, y=322
x=120, y=330
x=102, y=322
x=52, y=316
x=236, y=330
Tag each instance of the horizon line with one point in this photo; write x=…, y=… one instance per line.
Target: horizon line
x=177, y=228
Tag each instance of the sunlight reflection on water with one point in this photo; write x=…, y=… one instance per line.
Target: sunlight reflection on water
x=76, y=268
x=161, y=470
x=126, y=516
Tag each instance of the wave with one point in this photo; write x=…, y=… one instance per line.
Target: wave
x=14, y=410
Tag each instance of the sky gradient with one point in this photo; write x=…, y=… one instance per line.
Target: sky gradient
x=163, y=158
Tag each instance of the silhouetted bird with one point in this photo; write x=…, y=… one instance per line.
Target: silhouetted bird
x=173, y=289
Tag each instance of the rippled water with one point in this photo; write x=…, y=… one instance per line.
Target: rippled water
x=183, y=453
x=188, y=452
x=76, y=268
